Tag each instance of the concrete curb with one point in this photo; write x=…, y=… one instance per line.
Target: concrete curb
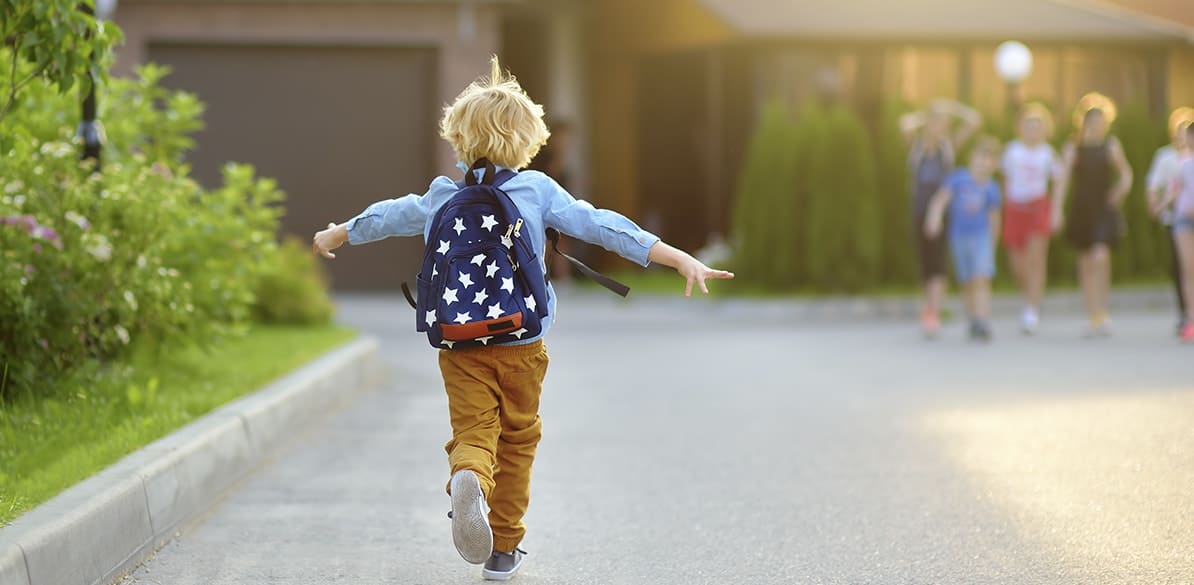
x=97, y=530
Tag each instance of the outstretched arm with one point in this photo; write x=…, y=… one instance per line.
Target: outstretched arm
x=970, y=119
x=1061, y=184
x=690, y=268
x=911, y=123
x=935, y=218
x=404, y=216
x=1124, y=170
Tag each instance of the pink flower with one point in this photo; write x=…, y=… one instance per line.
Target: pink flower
x=45, y=345
x=37, y=248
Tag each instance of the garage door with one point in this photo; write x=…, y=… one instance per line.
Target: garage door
x=338, y=127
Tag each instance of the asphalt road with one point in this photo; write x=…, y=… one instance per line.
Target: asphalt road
x=689, y=442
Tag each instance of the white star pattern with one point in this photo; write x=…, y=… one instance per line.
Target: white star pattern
x=518, y=334
x=530, y=302
x=462, y=318
x=507, y=242
x=443, y=247
x=447, y=343
x=495, y=311
x=484, y=340
x=481, y=296
x=450, y=296
x=508, y=285
x=459, y=227
x=487, y=222
x=466, y=280
x=478, y=259
x=491, y=269
x=430, y=318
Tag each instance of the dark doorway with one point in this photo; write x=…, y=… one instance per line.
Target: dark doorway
x=338, y=127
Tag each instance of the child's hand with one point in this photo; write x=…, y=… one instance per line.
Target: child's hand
x=693, y=270
x=327, y=240
x=1058, y=221
x=932, y=227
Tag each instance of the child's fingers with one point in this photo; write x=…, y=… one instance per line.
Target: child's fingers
x=723, y=274
x=688, y=287
x=704, y=288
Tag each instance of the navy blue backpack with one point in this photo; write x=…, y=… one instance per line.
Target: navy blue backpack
x=481, y=282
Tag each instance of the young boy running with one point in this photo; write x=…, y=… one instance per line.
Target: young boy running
x=972, y=198
x=493, y=390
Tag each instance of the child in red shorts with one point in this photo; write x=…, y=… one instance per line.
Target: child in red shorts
x=1032, y=171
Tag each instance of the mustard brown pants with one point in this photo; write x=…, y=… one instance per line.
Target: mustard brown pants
x=493, y=401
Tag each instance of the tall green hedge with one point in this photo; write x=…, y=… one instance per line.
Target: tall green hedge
x=843, y=231
x=897, y=266
x=766, y=203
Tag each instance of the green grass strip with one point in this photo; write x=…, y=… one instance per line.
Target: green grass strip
x=93, y=419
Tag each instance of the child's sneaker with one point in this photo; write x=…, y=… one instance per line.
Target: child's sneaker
x=1030, y=321
x=930, y=325
x=1188, y=332
x=470, y=519
x=980, y=331
x=1098, y=329
x=502, y=566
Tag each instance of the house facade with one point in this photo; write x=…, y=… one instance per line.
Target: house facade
x=339, y=99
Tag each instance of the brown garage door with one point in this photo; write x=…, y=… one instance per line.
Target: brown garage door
x=339, y=127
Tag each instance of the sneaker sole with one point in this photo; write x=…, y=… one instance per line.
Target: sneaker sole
x=470, y=524
x=501, y=575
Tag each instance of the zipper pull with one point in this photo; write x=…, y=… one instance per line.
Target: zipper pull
x=509, y=230
x=518, y=228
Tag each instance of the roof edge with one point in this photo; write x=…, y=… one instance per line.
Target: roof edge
x=1143, y=19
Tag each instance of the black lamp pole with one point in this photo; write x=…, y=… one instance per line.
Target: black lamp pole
x=90, y=131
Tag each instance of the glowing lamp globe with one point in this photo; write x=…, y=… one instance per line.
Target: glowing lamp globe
x=1013, y=61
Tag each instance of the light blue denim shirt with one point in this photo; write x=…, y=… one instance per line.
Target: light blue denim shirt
x=543, y=203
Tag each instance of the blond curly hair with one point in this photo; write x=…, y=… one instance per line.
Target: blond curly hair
x=494, y=118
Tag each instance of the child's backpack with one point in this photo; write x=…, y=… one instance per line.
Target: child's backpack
x=481, y=282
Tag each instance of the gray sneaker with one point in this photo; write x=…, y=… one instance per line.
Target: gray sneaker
x=502, y=566
x=470, y=519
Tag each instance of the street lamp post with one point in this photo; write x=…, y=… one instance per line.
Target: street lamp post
x=91, y=131
x=1013, y=63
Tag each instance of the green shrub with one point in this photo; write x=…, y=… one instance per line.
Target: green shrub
x=842, y=230
x=766, y=247
x=293, y=290
x=90, y=262
x=898, y=256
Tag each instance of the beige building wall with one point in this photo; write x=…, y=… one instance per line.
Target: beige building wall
x=464, y=35
x=1181, y=77
x=615, y=44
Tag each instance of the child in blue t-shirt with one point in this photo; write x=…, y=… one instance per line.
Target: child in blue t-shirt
x=972, y=198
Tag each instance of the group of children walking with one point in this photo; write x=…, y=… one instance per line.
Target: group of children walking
x=1079, y=192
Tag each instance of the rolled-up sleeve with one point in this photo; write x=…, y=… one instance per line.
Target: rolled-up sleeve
x=404, y=216
x=605, y=228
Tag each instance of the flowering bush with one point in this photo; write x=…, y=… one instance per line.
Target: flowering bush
x=91, y=262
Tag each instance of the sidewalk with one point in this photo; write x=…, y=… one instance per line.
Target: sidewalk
x=769, y=310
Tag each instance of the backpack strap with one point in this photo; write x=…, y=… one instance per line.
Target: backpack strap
x=614, y=286
x=409, y=297
x=491, y=176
